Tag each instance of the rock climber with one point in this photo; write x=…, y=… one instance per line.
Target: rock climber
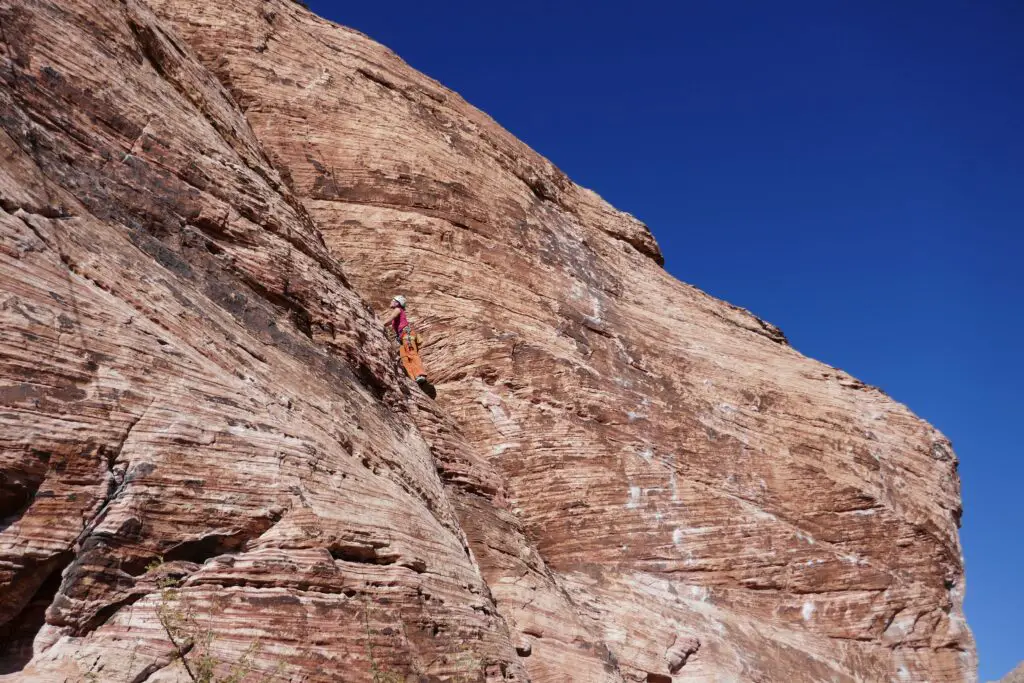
x=408, y=340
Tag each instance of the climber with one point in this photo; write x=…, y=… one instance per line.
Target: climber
x=408, y=340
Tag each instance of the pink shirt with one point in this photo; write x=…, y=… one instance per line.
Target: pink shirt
x=400, y=322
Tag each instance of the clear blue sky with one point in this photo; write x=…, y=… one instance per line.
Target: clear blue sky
x=851, y=171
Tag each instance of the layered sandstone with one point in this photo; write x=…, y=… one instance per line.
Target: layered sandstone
x=621, y=478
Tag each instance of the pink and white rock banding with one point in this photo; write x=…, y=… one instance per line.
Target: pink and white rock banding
x=621, y=479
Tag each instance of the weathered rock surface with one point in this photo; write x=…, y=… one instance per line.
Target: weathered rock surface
x=622, y=479
x=188, y=376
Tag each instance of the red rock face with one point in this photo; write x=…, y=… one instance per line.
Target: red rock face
x=621, y=479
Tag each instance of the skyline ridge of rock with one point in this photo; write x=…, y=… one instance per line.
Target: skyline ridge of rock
x=1015, y=676
x=622, y=477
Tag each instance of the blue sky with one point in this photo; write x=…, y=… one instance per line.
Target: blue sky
x=851, y=171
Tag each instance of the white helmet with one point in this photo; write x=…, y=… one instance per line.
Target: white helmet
x=400, y=300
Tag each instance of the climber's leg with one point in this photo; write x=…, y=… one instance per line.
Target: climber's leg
x=411, y=359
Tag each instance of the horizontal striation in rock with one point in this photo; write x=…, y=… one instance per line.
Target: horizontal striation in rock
x=192, y=395
x=680, y=470
x=622, y=478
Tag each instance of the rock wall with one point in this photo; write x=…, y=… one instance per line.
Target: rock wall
x=621, y=479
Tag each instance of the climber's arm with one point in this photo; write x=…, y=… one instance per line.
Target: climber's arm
x=391, y=315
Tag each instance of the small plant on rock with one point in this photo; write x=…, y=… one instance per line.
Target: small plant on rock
x=192, y=639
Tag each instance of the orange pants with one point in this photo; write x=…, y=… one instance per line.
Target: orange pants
x=410, y=354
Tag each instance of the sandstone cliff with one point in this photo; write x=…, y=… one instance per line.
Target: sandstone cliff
x=622, y=479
